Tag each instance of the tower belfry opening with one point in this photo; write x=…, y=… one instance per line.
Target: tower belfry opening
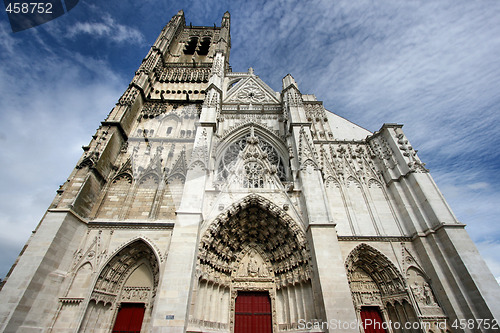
x=208, y=202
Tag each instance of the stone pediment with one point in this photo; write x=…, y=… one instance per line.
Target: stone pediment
x=251, y=90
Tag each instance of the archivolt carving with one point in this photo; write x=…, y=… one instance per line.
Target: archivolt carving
x=111, y=278
x=146, y=240
x=379, y=268
x=375, y=281
x=258, y=222
x=260, y=129
x=364, y=290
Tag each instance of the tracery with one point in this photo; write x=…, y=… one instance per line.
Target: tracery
x=232, y=153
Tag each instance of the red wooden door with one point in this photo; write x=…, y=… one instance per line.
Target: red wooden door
x=129, y=318
x=253, y=313
x=372, y=319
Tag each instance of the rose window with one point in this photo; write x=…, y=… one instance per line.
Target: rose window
x=230, y=156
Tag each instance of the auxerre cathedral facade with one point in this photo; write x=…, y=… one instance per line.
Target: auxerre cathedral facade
x=207, y=202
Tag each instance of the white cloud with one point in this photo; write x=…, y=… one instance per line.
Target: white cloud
x=107, y=28
x=49, y=109
x=479, y=186
x=7, y=42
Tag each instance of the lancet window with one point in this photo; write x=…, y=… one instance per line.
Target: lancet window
x=191, y=45
x=204, y=46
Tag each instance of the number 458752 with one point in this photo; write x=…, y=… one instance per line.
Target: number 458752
x=29, y=8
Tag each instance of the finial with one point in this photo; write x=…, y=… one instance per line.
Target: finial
x=289, y=80
x=250, y=71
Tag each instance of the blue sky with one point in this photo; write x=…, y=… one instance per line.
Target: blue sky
x=431, y=65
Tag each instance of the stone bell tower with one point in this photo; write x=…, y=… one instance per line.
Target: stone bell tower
x=208, y=202
x=107, y=234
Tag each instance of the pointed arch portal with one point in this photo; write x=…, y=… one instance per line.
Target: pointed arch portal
x=122, y=298
x=253, y=247
x=378, y=290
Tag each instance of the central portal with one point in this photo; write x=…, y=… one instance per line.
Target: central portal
x=253, y=313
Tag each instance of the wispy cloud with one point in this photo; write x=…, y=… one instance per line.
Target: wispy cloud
x=52, y=101
x=7, y=42
x=107, y=28
x=432, y=66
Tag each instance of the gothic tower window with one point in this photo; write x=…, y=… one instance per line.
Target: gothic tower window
x=191, y=45
x=204, y=46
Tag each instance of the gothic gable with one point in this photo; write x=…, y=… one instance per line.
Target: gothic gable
x=251, y=90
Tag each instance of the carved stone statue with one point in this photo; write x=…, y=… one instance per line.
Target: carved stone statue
x=252, y=266
x=418, y=292
x=429, y=297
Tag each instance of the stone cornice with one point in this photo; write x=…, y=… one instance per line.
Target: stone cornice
x=376, y=238
x=70, y=211
x=131, y=224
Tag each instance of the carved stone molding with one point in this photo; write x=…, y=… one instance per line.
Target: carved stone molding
x=180, y=109
x=256, y=221
x=71, y=300
x=422, y=292
x=251, y=91
x=307, y=152
x=183, y=74
x=129, y=97
x=135, y=294
x=112, y=277
x=251, y=155
x=383, y=272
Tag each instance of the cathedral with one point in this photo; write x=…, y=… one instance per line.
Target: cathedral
x=208, y=202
